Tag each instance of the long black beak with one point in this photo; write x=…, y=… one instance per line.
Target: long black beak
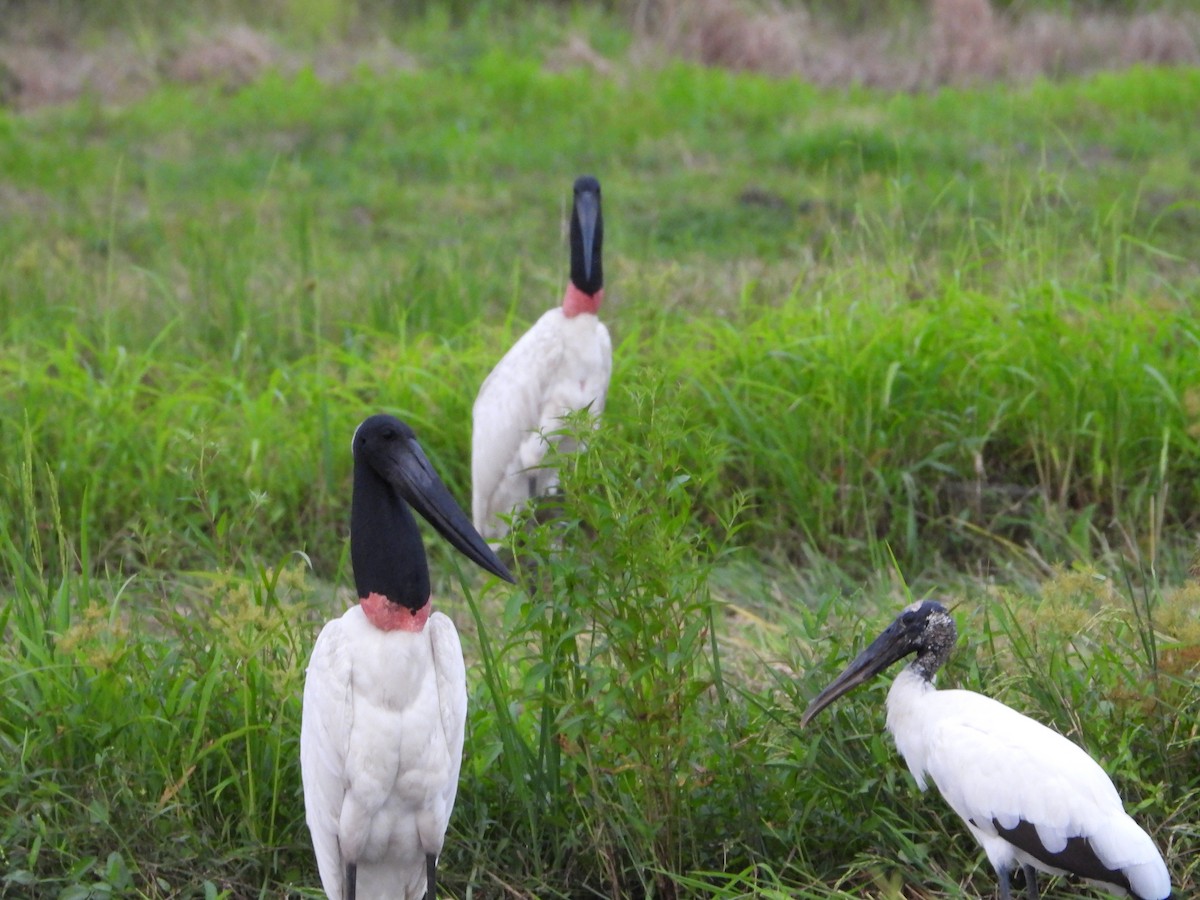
x=894, y=644
x=420, y=485
x=587, y=208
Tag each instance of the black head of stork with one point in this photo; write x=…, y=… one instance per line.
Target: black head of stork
x=392, y=474
x=924, y=628
x=587, y=236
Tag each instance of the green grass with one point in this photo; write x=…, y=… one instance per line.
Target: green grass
x=867, y=345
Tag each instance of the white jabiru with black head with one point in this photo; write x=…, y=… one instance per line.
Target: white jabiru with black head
x=385, y=696
x=1030, y=796
x=562, y=364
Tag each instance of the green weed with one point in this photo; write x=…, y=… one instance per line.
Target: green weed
x=863, y=341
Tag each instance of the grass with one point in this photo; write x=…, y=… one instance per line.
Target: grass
x=868, y=346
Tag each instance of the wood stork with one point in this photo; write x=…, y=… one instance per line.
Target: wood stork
x=1029, y=795
x=385, y=696
x=563, y=363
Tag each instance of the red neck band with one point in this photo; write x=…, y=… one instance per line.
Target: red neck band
x=576, y=301
x=388, y=616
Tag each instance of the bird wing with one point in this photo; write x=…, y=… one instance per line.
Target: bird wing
x=1010, y=775
x=324, y=743
x=991, y=762
x=451, y=675
x=506, y=417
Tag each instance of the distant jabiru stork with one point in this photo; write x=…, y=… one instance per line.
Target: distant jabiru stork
x=1029, y=795
x=385, y=696
x=563, y=363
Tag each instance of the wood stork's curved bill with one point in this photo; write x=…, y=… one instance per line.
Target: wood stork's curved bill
x=907, y=634
x=400, y=460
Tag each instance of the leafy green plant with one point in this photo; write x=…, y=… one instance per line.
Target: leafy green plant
x=862, y=340
x=611, y=656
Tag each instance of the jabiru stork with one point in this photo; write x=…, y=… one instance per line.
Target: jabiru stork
x=385, y=695
x=1029, y=795
x=563, y=363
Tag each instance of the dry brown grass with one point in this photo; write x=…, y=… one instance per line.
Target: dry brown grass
x=1046, y=44
x=42, y=61
x=727, y=34
x=44, y=64
x=232, y=57
x=577, y=53
x=965, y=41
x=39, y=74
x=959, y=42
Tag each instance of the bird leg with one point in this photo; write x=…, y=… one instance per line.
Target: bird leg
x=351, y=880
x=430, y=876
x=1002, y=877
x=1031, y=882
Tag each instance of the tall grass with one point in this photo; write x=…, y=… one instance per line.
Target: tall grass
x=1082, y=439
x=132, y=725
x=616, y=744
x=863, y=341
x=218, y=303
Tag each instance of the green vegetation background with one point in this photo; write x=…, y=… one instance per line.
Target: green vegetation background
x=868, y=345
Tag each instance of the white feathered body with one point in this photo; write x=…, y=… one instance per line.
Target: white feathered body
x=991, y=762
x=559, y=365
x=381, y=742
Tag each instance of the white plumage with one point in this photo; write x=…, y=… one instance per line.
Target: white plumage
x=562, y=364
x=1031, y=797
x=994, y=765
x=559, y=365
x=385, y=694
x=381, y=746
